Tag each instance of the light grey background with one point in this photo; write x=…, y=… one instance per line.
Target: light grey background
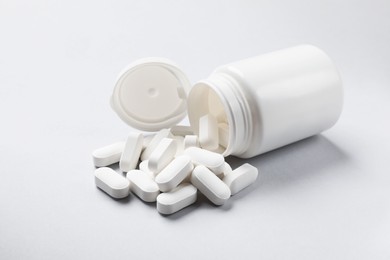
x=326, y=197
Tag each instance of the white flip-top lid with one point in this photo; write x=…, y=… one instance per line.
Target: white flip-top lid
x=150, y=94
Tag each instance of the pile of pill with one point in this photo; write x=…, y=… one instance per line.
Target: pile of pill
x=170, y=167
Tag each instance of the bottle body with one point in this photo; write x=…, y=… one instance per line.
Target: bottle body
x=270, y=100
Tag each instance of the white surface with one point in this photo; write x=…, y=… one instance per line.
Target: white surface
x=326, y=197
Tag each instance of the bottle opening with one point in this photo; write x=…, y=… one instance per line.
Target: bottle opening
x=204, y=100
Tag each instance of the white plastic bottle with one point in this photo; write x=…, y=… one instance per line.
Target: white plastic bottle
x=267, y=101
x=271, y=100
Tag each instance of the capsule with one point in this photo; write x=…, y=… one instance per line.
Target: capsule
x=182, y=196
x=241, y=178
x=142, y=185
x=174, y=173
x=214, y=161
x=108, y=155
x=112, y=183
x=210, y=185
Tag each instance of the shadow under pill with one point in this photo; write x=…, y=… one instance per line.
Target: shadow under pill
x=203, y=202
x=120, y=201
x=181, y=213
x=123, y=201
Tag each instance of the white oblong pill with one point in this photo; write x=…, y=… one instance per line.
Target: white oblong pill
x=142, y=185
x=214, y=161
x=241, y=177
x=163, y=133
x=112, y=183
x=108, y=155
x=191, y=141
x=174, y=173
x=131, y=152
x=223, y=134
x=162, y=155
x=210, y=185
x=182, y=196
x=182, y=130
x=208, y=132
x=143, y=166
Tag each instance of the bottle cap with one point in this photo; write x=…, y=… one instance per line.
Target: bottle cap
x=151, y=94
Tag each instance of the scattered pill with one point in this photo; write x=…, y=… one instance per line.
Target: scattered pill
x=223, y=134
x=208, y=132
x=108, y=155
x=162, y=155
x=191, y=141
x=182, y=196
x=131, y=152
x=174, y=173
x=182, y=130
x=241, y=178
x=164, y=133
x=142, y=185
x=111, y=182
x=214, y=161
x=167, y=165
x=210, y=185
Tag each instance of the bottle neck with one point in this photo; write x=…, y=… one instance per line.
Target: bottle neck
x=235, y=105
